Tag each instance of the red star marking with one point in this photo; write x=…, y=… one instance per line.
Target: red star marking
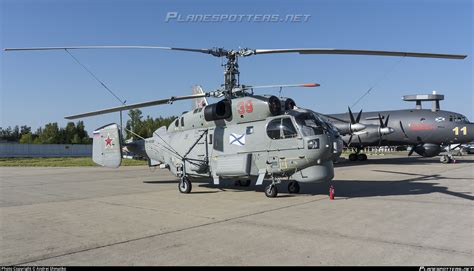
x=108, y=141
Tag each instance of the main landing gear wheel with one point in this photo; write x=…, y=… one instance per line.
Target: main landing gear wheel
x=271, y=191
x=244, y=183
x=293, y=187
x=184, y=185
x=445, y=159
x=362, y=157
x=352, y=157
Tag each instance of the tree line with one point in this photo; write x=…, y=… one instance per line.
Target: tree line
x=138, y=127
x=75, y=133
x=51, y=133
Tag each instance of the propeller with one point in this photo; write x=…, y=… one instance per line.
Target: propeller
x=384, y=129
x=354, y=125
x=420, y=143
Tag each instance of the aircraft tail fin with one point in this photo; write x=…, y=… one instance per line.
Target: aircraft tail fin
x=199, y=102
x=107, y=146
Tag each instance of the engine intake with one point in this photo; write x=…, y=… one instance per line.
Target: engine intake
x=218, y=111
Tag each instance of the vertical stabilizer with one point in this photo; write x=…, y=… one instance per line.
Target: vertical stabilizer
x=199, y=102
x=106, y=146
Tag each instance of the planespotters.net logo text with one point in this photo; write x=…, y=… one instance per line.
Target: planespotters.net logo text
x=174, y=16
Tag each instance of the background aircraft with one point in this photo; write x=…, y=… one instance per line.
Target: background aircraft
x=427, y=131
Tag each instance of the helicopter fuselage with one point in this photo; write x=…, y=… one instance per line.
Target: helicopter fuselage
x=249, y=142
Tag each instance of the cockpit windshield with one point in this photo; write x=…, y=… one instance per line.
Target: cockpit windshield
x=309, y=124
x=458, y=118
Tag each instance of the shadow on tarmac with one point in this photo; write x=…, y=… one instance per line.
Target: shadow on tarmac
x=415, y=184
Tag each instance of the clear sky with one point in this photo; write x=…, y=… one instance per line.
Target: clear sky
x=41, y=87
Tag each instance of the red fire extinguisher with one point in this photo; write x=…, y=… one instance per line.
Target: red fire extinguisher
x=331, y=192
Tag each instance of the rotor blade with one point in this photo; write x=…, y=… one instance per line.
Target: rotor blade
x=215, y=52
x=137, y=105
x=308, y=85
x=330, y=51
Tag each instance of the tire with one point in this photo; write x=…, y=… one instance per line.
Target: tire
x=362, y=157
x=293, y=187
x=352, y=157
x=245, y=183
x=271, y=191
x=444, y=159
x=184, y=185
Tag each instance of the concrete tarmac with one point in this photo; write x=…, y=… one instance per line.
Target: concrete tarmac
x=388, y=211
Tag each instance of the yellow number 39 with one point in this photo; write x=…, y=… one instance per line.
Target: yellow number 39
x=463, y=130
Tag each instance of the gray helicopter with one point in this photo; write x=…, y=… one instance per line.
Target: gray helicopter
x=242, y=136
x=427, y=131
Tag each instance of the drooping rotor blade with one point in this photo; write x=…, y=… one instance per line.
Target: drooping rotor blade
x=308, y=85
x=137, y=105
x=214, y=52
x=330, y=51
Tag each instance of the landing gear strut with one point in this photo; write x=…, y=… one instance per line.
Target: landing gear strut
x=271, y=191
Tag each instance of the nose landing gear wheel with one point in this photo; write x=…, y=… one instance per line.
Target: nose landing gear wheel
x=293, y=187
x=184, y=185
x=271, y=191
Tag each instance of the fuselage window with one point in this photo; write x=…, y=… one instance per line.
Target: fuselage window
x=273, y=129
x=309, y=124
x=288, y=128
x=176, y=122
x=281, y=128
x=182, y=122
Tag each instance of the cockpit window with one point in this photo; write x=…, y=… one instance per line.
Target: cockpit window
x=309, y=124
x=281, y=128
x=461, y=118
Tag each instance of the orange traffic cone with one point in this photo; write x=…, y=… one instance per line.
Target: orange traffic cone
x=331, y=192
